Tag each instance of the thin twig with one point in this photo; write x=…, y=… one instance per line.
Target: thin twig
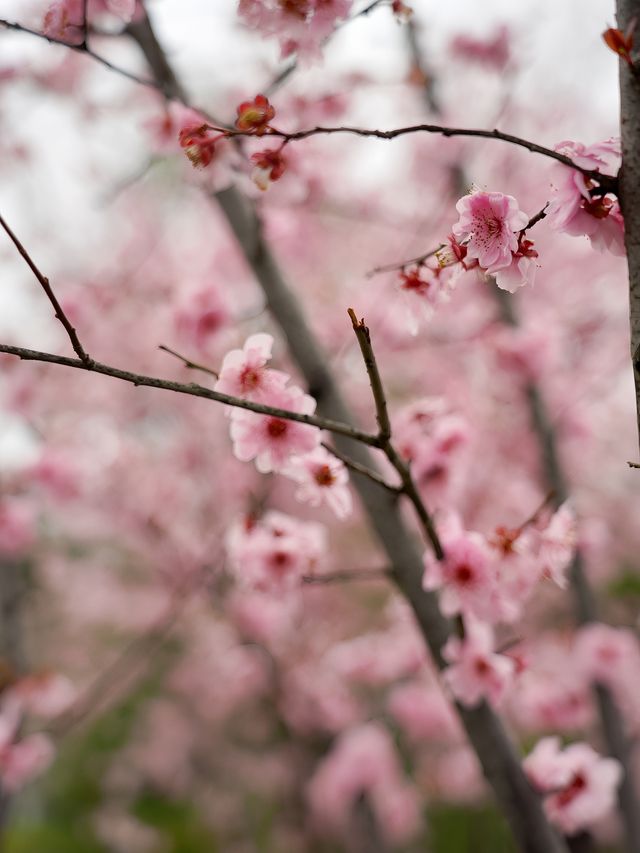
x=408, y=263
x=346, y=576
x=85, y=25
x=194, y=365
x=192, y=390
x=361, y=469
x=409, y=487
x=364, y=339
x=82, y=48
x=606, y=182
x=44, y=281
x=289, y=69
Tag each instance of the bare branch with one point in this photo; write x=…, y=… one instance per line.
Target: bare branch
x=82, y=48
x=608, y=183
x=364, y=339
x=44, y=281
x=409, y=263
x=192, y=390
x=194, y=365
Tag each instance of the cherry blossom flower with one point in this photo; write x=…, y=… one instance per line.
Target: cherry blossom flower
x=17, y=527
x=254, y=116
x=273, y=553
x=493, y=52
x=321, y=477
x=490, y=224
x=300, y=25
x=268, y=166
x=554, y=544
x=199, y=141
x=64, y=19
x=576, y=209
x=521, y=270
x=271, y=441
x=466, y=576
x=476, y=671
x=430, y=437
x=607, y=655
x=22, y=761
x=244, y=372
x=363, y=761
x=202, y=314
x=580, y=785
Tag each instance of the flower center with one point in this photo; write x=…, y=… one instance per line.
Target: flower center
x=276, y=427
x=324, y=476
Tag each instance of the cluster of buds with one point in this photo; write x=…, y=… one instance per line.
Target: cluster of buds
x=198, y=139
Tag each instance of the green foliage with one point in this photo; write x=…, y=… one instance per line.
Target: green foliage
x=458, y=830
x=178, y=822
x=625, y=585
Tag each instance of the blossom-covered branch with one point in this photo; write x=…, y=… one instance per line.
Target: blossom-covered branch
x=192, y=390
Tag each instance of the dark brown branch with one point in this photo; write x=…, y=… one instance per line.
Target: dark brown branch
x=192, y=390
x=609, y=183
x=364, y=339
x=193, y=365
x=626, y=11
x=82, y=48
x=85, y=25
x=44, y=282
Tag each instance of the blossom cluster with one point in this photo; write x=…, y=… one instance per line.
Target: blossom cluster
x=276, y=443
x=488, y=581
x=64, y=19
x=300, y=25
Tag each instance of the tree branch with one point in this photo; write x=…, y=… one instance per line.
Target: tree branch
x=192, y=390
x=44, y=282
x=82, y=48
x=193, y=365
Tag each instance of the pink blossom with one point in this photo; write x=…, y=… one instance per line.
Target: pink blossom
x=575, y=209
x=321, y=477
x=554, y=544
x=275, y=552
x=363, y=761
x=23, y=761
x=244, y=372
x=607, y=655
x=580, y=784
x=45, y=694
x=430, y=437
x=466, y=575
x=490, y=223
x=494, y=51
x=271, y=441
x=17, y=527
x=476, y=671
x=521, y=270
x=423, y=712
x=202, y=314
x=64, y=19
x=301, y=25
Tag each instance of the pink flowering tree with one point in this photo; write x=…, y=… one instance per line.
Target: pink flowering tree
x=319, y=519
